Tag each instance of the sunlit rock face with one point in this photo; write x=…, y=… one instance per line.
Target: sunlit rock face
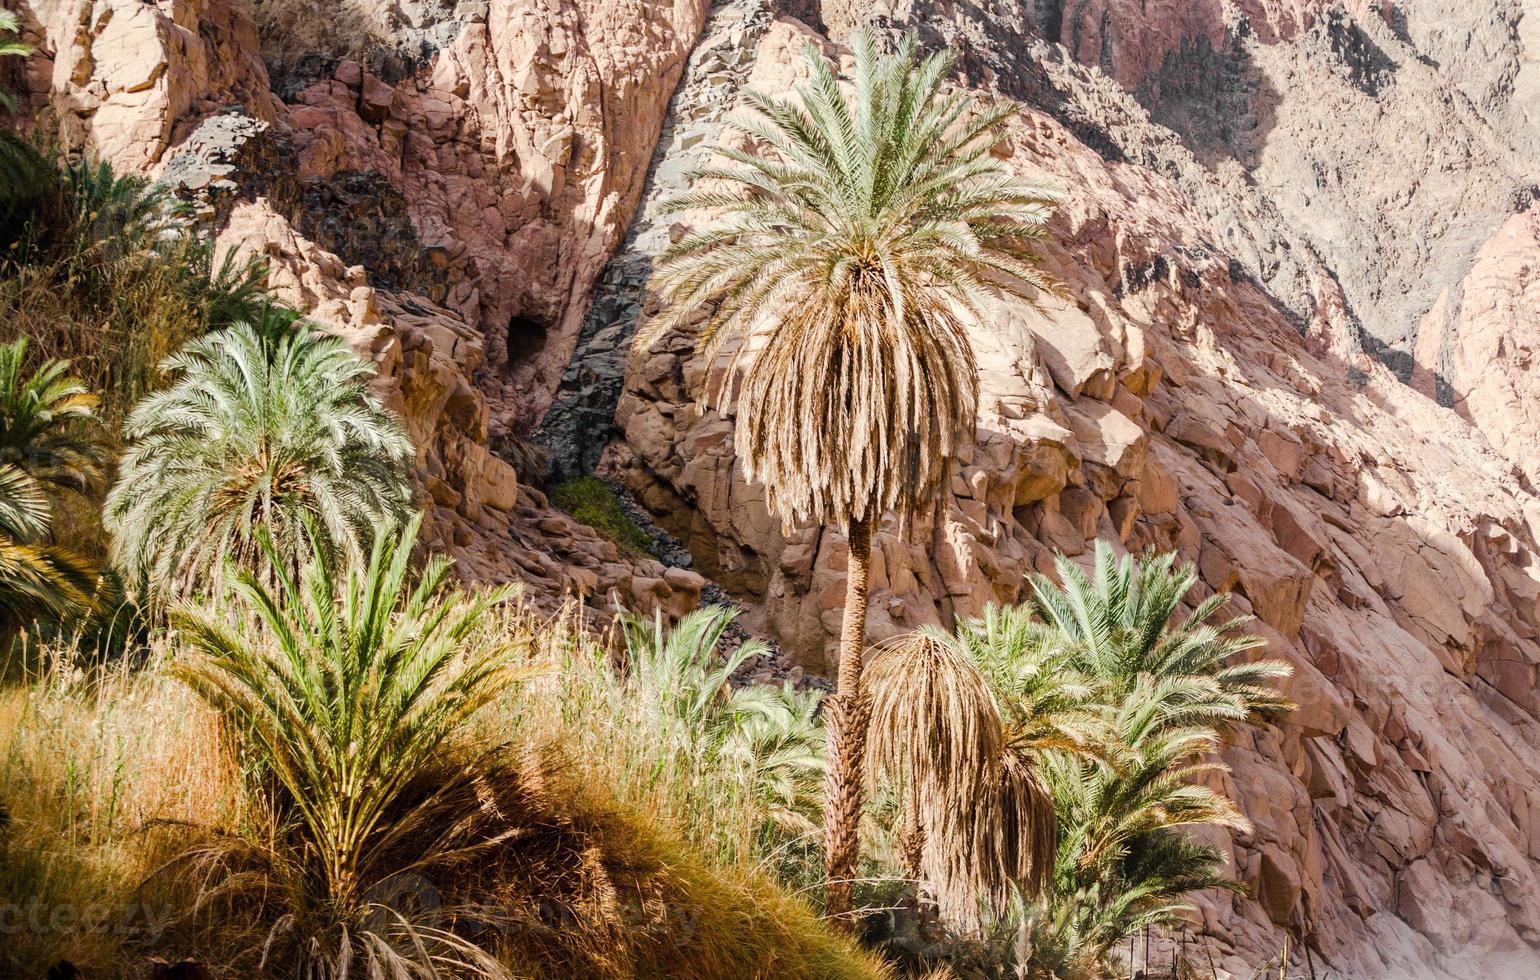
x=1294, y=345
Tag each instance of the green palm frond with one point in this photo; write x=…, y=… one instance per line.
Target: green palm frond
x=47, y=421
x=256, y=433
x=24, y=509
x=347, y=691
x=28, y=174
x=1117, y=626
x=861, y=237
x=778, y=740
x=36, y=578
x=769, y=741
x=9, y=24
x=677, y=670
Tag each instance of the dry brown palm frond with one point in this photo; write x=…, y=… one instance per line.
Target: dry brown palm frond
x=984, y=819
x=1030, y=824
x=859, y=420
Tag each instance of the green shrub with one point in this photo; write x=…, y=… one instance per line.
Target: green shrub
x=593, y=502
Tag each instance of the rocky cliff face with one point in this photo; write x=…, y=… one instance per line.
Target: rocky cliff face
x=1299, y=253
x=449, y=221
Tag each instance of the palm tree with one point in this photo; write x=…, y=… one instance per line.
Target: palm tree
x=1124, y=863
x=1169, y=691
x=351, y=694
x=46, y=420
x=765, y=741
x=258, y=432
x=1116, y=627
x=1054, y=751
x=46, y=441
x=961, y=725
x=861, y=241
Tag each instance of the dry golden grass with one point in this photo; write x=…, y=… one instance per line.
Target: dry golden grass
x=624, y=869
x=97, y=771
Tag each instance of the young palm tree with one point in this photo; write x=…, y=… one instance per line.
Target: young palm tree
x=861, y=239
x=765, y=741
x=1169, y=691
x=258, y=432
x=1124, y=863
x=1116, y=627
x=46, y=441
x=961, y=726
x=350, y=693
x=46, y=420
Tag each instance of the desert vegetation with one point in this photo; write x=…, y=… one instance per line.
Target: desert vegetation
x=250, y=719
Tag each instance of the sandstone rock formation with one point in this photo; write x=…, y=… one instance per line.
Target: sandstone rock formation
x=1279, y=211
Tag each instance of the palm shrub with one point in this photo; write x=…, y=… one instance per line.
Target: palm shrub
x=1169, y=691
x=349, y=691
x=1114, y=710
x=861, y=237
x=24, y=170
x=1116, y=626
x=47, y=421
x=36, y=578
x=100, y=269
x=258, y=433
x=765, y=745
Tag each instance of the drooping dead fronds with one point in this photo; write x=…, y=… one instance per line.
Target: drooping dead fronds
x=984, y=820
x=1029, y=823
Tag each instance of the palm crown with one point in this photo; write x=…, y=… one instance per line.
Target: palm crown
x=868, y=236
x=257, y=432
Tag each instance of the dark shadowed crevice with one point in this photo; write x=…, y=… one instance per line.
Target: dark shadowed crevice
x=527, y=337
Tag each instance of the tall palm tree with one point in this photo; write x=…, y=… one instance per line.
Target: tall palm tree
x=258, y=432
x=861, y=239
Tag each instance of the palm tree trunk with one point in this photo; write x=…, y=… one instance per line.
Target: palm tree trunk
x=847, y=716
